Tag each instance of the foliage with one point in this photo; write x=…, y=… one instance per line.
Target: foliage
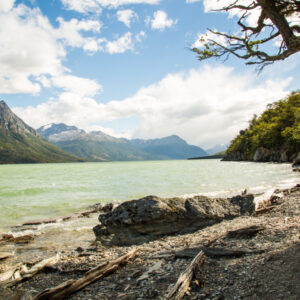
x=277, y=129
x=274, y=25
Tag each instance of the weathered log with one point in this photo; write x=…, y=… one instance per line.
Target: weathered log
x=41, y=265
x=245, y=232
x=71, y=286
x=265, y=209
x=185, y=278
x=215, y=252
x=18, y=276
x=8, y=274
x=5, y=255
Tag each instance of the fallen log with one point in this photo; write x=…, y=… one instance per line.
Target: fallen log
x=17, y=276
x=71, y=286
x=265, y=209
x=245, y=232
x=215, y=252
x=8, y=274
x=5, y=255
x=185, y=278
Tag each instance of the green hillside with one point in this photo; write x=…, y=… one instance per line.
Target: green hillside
x=19, y=148
x=20, y=143
x=274, y=136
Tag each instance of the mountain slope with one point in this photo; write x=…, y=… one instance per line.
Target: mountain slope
x=216, y=149
x=19, y=143
x=98, y=146
x=94, y=146
x=172, y=147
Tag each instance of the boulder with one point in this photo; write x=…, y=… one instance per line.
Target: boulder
x=150, y=218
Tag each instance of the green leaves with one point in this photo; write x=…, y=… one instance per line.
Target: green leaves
x=277, y=129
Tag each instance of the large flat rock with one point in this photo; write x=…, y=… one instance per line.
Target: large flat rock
x=150, y=218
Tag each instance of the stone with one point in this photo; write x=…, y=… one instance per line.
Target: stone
x=150, y=218
x=262, y=155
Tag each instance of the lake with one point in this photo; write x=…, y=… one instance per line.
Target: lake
x=36, y=191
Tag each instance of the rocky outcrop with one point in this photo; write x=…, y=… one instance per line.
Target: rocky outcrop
x=296, y=164
x=150, y=218
x=261, y=155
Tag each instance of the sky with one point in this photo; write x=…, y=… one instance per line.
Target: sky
x=125, y=67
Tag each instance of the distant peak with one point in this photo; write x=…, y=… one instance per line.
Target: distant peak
x=2, y=102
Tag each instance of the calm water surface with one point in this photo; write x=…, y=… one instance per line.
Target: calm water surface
x=44, y=190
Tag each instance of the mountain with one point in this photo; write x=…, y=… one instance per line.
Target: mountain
x=20, y=143
x=216, y=149
x=93, y=146
x=98, y=146
x=171, y=147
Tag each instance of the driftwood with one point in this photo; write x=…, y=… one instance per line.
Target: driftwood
x=215, y=252
x=5, y=255
x=265, y=209
x=71, y=286
x=185, y=278
x=21, y=273
x=245, y=232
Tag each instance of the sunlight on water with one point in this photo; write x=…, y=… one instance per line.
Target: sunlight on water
x=43, y=190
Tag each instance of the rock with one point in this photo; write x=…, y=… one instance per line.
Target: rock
x=39, y=222
x=284, y=157
x=149, y=218
x=96, y=207
x=296, y=164
x=23, y=239
x=109, y=207
x=262, y=155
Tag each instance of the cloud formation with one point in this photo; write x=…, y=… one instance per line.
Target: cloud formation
x=126, y=16
x=204, y=106
x=95, y=6
x=160, y=21
x=33, y=50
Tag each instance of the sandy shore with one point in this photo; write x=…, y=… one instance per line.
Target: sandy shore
x=272, y=274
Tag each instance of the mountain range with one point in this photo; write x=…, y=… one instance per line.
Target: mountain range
x=20, y=143
x=98, y=146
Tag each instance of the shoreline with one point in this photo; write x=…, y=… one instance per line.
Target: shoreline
x=85, y=252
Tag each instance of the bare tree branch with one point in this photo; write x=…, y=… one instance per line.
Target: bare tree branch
x=272, y=24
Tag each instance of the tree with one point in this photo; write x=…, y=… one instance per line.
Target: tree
x=277, y=22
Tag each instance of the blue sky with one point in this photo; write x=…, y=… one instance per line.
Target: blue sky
x=124, y=67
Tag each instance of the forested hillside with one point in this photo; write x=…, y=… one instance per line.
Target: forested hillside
x=274, y=136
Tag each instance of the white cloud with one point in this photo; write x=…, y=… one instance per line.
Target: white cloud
x=203, y=106
x=32, y=50
x=120, y=45
x=6, y=5
x=95, y=6
x=80, y=86
x=69, y=32
x=203, y=38
x=28, y=48
x=160, y=20
x=126, y=16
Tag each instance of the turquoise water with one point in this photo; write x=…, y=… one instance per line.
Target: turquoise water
x=37, y=191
